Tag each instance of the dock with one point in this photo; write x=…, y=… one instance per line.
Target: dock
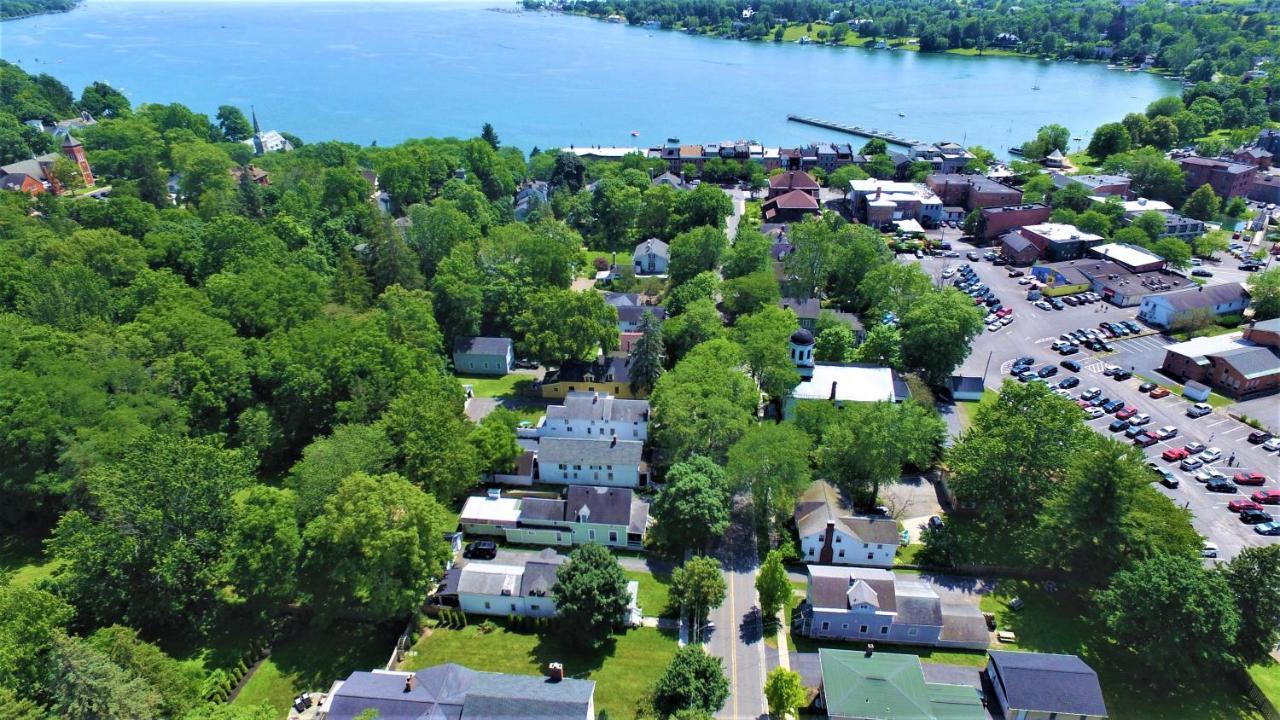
x=888, y=137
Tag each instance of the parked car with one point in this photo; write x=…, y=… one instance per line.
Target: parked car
x=1207, y=473
x=1201, y=272
x=1267, y=528
x=1072, y=365
x=1209, y=550
x=1191, y=463
x=1241, y=504
x=1145, y=439
x=1091, y=393
x=1069, y=350
x=1139, y=419
x=1113, y=406
x=1266, y=497
x=1125, y=413
x=1134, y=431
x=1121, y=374
x=1159, y=393
x=1211, y=455
x=1199, y=410
x=1249, y=478
x=481, y=550
x=1166, y=432
x=1094, y=413
x=1254, y=517
x=1147, y=387
x=1194, y=447
x=1068, y=382
x=1258, y=437
x=1174, y=454
x=1047, y=371
x=1118, y=425
x=1220, y=485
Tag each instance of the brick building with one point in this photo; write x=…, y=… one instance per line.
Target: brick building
x=972, y=191
x=996, y=221
x=1228, y=179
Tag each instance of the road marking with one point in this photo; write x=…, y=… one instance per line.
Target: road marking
x=1220, y=422
x=733, y=654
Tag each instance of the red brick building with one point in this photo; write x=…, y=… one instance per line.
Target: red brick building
x=996, y=221
x=1228, y=179
x=972, y=191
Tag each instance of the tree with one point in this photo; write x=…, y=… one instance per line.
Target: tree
x=458, y=293
x=1254, y=579
x=704, y=404
x=392, y=261
x=591, y=595
x=1153, y=175
x=772, y=461
x=1212, y=243
x=1168, y=616
x=263, y=548
x=893, y=287
x=699, y=323
x=749, y=254
x=615, y=206
x=703, y=206
x=1109, y=139
x=784, y=691
x=1176, y=253
x=835, y=344
x=1152, y=223
x=695, y=251
x=1265, y=292
x=374, y=549
x=773, y=586
x=173, y=681
x=328, y=460
x=568, y=172
x=85, y=685
x=102, y=100
x=843, y=176
x=937, y=331
x=699, y=587
x=871, y=442
x=559, y=325
x=494, y=440
x=647, y=356
x=693, y=680
x=1162, y=133
x=31, y=621
x=880, y=167
x=692, y=510
x=750, y=293
x=764, y=337
x=703, y=286
x=430, y=431
x=205, y=170
x=235, y=127
x=1202, y=204
x=489, y=135
x=174, y=494
x=882, y=347
x=1016, y=448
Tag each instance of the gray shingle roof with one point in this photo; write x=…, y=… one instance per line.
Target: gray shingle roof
x=605, y=505
x=581, y=451
x=804, y=309
x=481, y=345
x=538, y=578
x=634, y=313
x=450, y=692
x=541, y=509
x=1204, y=296
x=1251, y=362
x=607, y=408
x=1050, y=683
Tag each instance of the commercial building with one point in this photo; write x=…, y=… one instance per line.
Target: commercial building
x=946, y=157
x=1058, y=242
x=1265, y=188
x=1130, y=257
x=1018, y=250
x=1113, y=281
x=996, y=221
x=1240, y=365
x=1166, y=309
x=1103, y=185
x=880, y=202
x=1228, y=179
x=972, y=191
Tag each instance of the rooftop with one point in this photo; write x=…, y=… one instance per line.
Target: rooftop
x=1061, y=684
x=1125, y=254
x=581, y=451
x=482, y=345
x=890, y=686
x=1060, y=232
x=596, y=407
x=852, y=382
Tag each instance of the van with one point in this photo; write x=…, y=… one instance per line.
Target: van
x=1033, y=294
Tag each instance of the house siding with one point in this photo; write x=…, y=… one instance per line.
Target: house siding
x=503, y=605
x=855, y=551
x=609, y=476
x=483, y=364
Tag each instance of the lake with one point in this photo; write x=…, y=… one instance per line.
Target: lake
x=386, y=72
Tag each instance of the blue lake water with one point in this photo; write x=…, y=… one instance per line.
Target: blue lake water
x=385, y=72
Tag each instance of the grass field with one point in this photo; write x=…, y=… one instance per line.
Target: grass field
x=22, y=560
x=623, y=670
x=313, y=659
x=509, y=385
x=588, y=270
x=654, y=592
x=1267, y=677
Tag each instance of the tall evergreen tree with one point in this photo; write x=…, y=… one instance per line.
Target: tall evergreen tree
x=647, y=356
x=489, y=135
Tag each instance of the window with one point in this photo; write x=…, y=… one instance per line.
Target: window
x=810, y=552
x=844, y=626
x=611, y=476
x=533, y=607
x=884, y=629
x=865, y=546
x=577, y=467
x=826, y=625
x=841, y=554
x=871, y=556
x=486, y=604
x=837, y=538
x=613, y=536
x=513, y=607
x=913, y=631
x=862, y=630
x=563, y=466
x=591, y=534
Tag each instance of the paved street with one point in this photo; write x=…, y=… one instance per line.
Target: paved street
x=1031, y=334
x=737, y=637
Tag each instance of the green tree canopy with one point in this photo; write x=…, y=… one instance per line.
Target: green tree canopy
x=591, y=595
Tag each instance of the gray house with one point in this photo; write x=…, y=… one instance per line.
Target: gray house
x=483, y=355
x=651, y=257
x=1163, y=310
x=1038, y=686
x=454, y=691
x=615, y=517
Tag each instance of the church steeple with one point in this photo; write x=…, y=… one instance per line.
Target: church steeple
x=256, y=130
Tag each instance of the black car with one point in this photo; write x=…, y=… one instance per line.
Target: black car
x=1112, y=406
x=1025, y=360
x=1220, y=485
x=1133, y=326
x=1253, y=516
x=1047, y=371
x=1072, y=365
x=1201, y=272
x=1121, y=375
x=1147, y=387
x=481, y=550
x=1069, y=350
x=1069, y=382
x=1259, y=436
x=1118, y=425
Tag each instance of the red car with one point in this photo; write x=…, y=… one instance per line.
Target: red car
x=1126, y=413
x=1253, y=478
x=1004, y=312
x=1242, y=504
x=1174, y=454
x=1266, y=497
x=1159, y=393
x=1146, y=439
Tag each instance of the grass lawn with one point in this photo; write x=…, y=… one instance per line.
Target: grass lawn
x=589, y=269
x=312, y=659
x=509, y=385
x=1083, y=161
x=1207, y=331
x=221, y=649
x=623, y=670
x=751, y=212
x=654, y=590
x=22, y=560
x=1216, y=400
x=907, y=554
x=967, y=409
x=1267, y=678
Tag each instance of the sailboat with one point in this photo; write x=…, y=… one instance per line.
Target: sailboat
x=1035, y=87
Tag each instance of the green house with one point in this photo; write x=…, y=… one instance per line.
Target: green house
x=858, y=685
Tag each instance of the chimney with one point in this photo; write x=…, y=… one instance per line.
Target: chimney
x=833, y=391
x=871, y=649
x=555, y=671
x=410, y=683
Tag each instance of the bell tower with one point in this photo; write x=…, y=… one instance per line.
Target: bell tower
x=72, y=148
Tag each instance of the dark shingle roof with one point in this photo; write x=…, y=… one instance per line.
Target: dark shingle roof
x=1251, y=362
x=450, y=692
x=634, y=313
x=1049, y=683
x=1204, y=296
x=481, y=345
x=605, y=505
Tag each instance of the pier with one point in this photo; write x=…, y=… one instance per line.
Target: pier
x=888, y=137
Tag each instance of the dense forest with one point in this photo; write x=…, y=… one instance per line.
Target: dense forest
x=23, y=8
x=1195, y=40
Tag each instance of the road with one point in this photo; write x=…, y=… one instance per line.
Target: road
x=737, y=637
x=1034, y=330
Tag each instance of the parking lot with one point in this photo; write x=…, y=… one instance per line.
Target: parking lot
x=1032, y=333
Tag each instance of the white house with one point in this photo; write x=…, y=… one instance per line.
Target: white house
x=483, y=355
x=581, y=461
x=651, y=257
x=1163, y=310
x=874, y=604
x=484, y=588
x=838, y=383
x=829, y=534
x=615, y=517
x=593, y=415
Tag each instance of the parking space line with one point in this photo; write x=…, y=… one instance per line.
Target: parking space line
x=1225, y=420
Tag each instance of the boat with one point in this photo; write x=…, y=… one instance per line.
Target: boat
x=1015, y=150
x=902, y=114
x=635, y=133
x=1035, y=87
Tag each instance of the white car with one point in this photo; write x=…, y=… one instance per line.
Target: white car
x=1043, y=305
x=1211, y=455
x=1024, y=281
x=1140, y=419
x=1006, y=320
x=1091, y=393
x=1210, y=550
x=948, y=272
x=993, y=327
x=1166, y=432
x=1094, y=413
x=1273, y=444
